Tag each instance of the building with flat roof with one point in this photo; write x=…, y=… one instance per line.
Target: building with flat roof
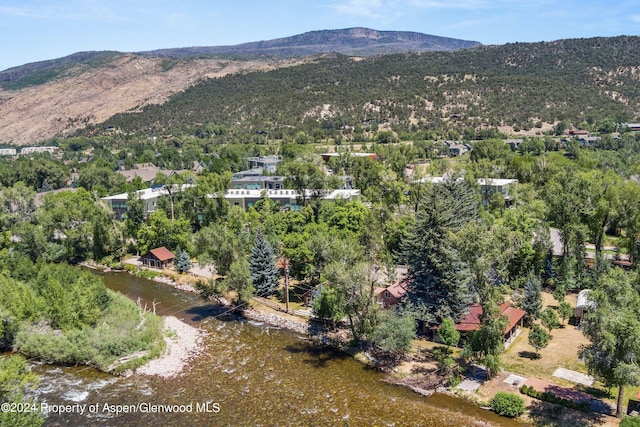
x=488, y=187
x=245, y=198
x=267, y=162
x=149, y=196
x=31, y=150
x=287, y=198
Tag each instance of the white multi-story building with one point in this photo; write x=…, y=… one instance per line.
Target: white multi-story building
x=288, y=199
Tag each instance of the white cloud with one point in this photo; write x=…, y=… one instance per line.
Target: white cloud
x=635, y=18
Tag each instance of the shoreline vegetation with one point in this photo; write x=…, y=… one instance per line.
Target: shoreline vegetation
x=58, y=315
x=180, y=351
x=189, y=345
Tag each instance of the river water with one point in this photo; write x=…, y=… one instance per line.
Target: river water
x=250, y=374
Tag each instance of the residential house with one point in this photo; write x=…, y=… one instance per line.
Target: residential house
x=269, y=163
x=158, y=258
x=149, y=197
x=578, y=132
x=457, y=150
x=146, y=171
x=491, y=186
x=488, y=187
x=471, y=321
x=257, y=182
x=514, y=143
x=287, y=198
x=328, y=156
x=588, y=141
x=392, y=294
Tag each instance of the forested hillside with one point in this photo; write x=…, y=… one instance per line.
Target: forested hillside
x=515, y=87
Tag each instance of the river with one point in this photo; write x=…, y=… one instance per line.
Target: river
x=250, y=374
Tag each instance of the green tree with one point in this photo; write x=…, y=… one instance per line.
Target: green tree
x=565, y=311
x=487, y=343
x=532, y=298
x=356, y=295
x=161, y=231
x=393, y=333
x=16, y=379
x=440, y=279
x=135, y=214
x=613, y=327
x=216, y=243
x=327, y=305
x=447, y=333
x=239, y=281
x=538, y=338
x=262, y=263
x=507, y=404
x=549, y=319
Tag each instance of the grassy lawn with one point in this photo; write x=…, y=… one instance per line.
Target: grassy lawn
x=562, y=350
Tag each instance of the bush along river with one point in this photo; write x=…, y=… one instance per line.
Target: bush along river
x=248, y=374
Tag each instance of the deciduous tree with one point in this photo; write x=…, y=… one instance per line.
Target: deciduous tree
x=613, y=328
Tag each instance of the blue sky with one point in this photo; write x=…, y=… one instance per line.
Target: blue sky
x=34, y=30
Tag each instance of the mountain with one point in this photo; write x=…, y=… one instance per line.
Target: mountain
x=57, y=97
x=350, y=41
x=517, y=88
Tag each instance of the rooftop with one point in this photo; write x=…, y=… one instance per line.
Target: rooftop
x=162, y=253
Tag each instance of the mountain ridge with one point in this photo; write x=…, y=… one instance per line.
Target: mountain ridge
x=514, y=87
x=350, y=41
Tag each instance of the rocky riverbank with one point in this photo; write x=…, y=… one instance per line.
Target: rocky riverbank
x=183, y=343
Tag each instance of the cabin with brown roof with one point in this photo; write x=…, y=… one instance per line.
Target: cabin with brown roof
x=471, y=321
x=158, y=258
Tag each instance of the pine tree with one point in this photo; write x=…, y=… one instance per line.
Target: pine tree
x=183, y=262
x=262, y=265
x=532, y=301
x=441, y=279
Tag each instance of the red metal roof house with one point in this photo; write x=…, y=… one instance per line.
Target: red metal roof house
x=471, y=321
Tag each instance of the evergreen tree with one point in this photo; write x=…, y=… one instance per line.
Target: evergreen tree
x=262, y=264
x=441, y=279
x=532, y=300
x=183, y=262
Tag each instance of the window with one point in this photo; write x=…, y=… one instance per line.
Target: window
x=387, y=294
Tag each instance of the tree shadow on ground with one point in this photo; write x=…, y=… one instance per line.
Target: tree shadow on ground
x=529, y=355
x=319, y=356
x=220, y=312
x=555, y=415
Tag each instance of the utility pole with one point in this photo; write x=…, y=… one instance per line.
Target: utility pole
x=286, y=283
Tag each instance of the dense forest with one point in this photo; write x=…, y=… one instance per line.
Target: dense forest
x=467, y=92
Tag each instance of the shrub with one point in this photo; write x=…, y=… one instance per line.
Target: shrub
x=630, y=422
x=552, y=398
x=507, y=404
